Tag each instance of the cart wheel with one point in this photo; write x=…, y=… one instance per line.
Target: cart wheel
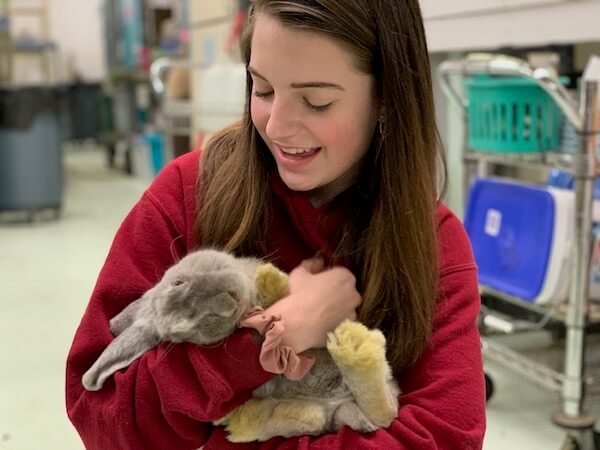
x=489, y=387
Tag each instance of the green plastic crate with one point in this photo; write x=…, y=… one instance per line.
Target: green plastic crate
x=511, y=115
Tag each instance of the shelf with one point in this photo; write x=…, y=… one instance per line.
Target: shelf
x=119, y=74
x=537, y=373
x=27, y=10
x=39, y=47
x=555, y=312
x=542, y=365
x=547, y=160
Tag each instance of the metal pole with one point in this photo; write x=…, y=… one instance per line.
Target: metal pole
x=572, y=414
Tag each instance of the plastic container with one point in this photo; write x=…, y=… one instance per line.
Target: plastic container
x=521, y=238
x=148, y=154
x=565, y=180
x=222, y=95
x=156, y=147
x=132, y=30
x=511, y=115
x=31, y=160
x=84, y=102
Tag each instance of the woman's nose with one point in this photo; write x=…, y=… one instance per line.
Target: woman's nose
x=282, y=123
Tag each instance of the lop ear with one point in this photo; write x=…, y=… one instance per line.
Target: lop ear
x=125, y=318
x=121, y=352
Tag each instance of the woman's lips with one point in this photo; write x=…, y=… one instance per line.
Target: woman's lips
x=295, y=157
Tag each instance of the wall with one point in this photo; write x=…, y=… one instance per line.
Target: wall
x=490, y=24
x=206, y=11
x=436, y=9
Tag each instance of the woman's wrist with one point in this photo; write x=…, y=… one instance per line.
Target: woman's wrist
x=276, y=356
x=288, y=338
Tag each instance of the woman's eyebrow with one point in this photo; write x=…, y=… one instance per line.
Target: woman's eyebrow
x=256, y=74
x=317, y=84
x=309, y=84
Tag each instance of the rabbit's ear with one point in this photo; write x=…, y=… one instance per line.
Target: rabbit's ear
x=125, y=318
x=122, y=351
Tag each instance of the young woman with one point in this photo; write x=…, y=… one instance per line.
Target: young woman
x=336, y=156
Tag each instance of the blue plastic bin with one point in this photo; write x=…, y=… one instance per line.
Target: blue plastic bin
x=511, y=115
x=31, y=158
x=511, y=230
x=156, y=147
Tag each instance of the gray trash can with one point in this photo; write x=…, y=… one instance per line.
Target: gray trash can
x=31, y=161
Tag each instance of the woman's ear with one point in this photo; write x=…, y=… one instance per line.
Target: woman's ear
x=382, y=114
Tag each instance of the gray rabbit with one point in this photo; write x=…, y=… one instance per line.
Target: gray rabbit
x=201, y=300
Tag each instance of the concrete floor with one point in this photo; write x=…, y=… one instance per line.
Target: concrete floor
x=47, y=272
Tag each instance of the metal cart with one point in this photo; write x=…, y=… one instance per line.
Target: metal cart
x=175, y=116
x=216, y=104
x=576, y=381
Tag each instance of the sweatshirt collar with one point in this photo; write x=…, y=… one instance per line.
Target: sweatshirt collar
x=321, y=227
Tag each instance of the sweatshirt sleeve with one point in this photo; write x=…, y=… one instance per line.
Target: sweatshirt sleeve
x=169, y=396
x=442, y=404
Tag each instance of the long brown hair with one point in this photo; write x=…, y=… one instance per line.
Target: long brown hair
x=392, y=247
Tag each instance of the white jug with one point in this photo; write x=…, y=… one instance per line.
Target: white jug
x=221, y=95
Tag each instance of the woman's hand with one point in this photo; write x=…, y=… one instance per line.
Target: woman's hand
x=319, y=300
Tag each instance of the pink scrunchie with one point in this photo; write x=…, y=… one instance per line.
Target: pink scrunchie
x=274, y=356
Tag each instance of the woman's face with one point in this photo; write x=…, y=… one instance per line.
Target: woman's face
x=313, y=108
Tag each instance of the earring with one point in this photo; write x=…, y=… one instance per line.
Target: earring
x=381, y=123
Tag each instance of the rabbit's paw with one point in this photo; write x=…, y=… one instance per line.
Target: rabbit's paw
x=245, y=423
x=264, y=419
x=360, y=355
x=354, y=347
x=271, y=284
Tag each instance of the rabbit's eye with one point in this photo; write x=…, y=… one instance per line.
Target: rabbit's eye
x=177, y=282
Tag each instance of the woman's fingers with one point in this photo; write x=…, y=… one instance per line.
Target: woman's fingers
x=313, y=265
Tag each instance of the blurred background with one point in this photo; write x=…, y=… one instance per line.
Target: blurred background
x=97, y=96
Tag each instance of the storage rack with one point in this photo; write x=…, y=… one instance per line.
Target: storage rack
x=42, y=48
x=175, y=116
x=5, y=59
x=573, y=383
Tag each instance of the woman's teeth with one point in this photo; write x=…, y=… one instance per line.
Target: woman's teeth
x=297, y=151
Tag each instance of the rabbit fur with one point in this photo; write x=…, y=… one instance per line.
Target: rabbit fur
x=202, y=298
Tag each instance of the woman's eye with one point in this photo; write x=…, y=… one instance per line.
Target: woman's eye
x=317, y=108
x=263, y=94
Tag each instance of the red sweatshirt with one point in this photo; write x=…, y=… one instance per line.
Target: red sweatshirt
x=168, y=398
